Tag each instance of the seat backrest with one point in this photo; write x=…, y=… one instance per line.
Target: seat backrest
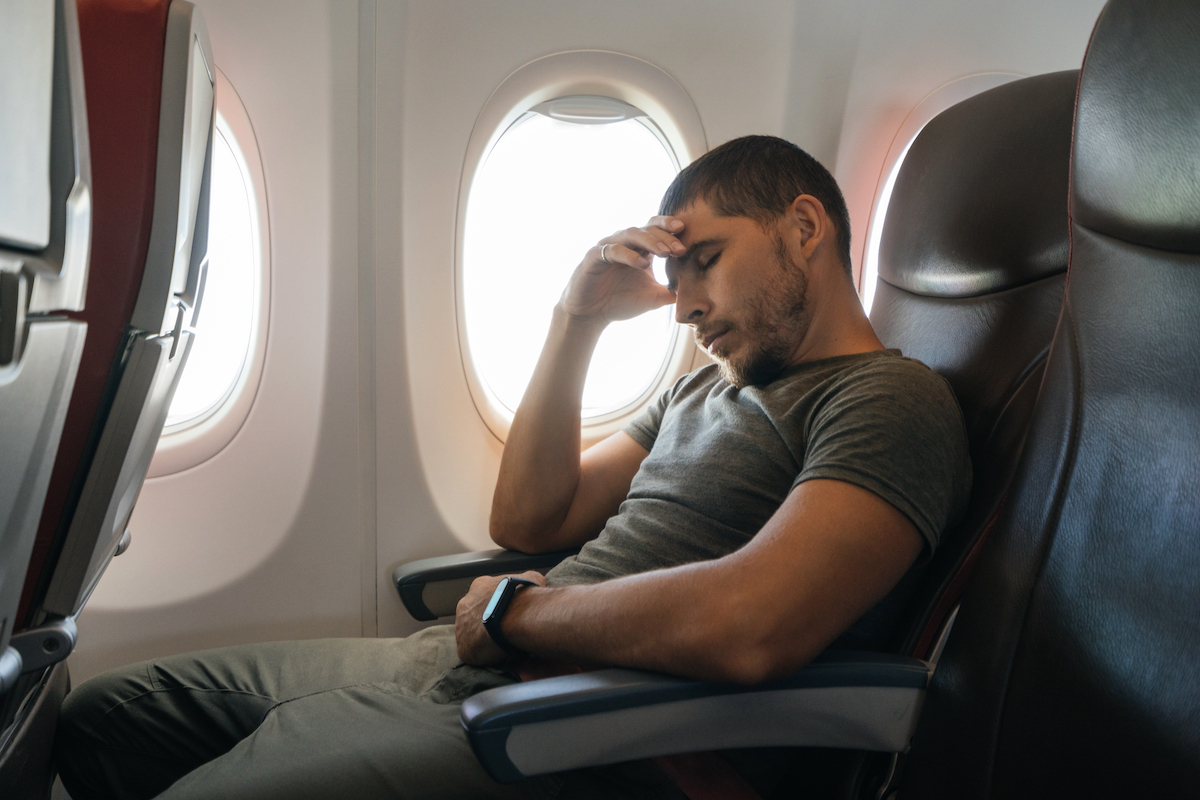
x=45, y=224
x=972, y=263
x=1074, y=667
x=149, y=79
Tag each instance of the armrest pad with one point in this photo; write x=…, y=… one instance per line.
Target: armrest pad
x=431, y=588
x=866, y=701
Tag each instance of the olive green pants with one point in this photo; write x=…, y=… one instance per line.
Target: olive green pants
x=335, y=718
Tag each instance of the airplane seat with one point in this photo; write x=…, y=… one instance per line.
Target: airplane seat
x=45, y=233
x=972, y=268
x=972, y=263
x=1074, y=666
x=148, y=82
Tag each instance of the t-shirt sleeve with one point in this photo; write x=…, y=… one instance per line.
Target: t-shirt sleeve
x=895, y=429
x=645, y=426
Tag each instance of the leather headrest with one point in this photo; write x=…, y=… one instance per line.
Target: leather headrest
x=1137, y=138
x=980, y=204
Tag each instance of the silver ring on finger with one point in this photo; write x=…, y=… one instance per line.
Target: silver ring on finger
x=604, y=257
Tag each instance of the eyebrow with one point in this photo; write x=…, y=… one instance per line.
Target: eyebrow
x=697, y=246
x=672, y=283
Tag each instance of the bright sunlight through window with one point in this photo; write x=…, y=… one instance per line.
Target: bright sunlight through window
x=224, y=324
x=548, y=191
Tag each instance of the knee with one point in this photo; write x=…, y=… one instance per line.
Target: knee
x=78, y=742
x=89, y=702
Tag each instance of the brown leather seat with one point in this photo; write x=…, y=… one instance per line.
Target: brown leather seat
x=971, y=270
x=1074, y=667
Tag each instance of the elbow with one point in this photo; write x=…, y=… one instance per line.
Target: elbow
x=505, y=536
x=522, y=538
x=751, y=653
x=755, y=665
x=508, y=525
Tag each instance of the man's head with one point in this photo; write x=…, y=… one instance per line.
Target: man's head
x=758, y=177
x=764, y=281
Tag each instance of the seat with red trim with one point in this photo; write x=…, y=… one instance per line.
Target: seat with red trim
x=148, y=77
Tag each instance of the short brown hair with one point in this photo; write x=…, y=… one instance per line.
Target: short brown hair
x=759, y=177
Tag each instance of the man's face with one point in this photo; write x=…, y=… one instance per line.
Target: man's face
x=742, y=293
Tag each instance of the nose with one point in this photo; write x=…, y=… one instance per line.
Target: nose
x=691, y=304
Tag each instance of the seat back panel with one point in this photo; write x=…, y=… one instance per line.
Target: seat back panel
x=122, y=457
x=122, y=40
x=33, y=406
x=45, y=224
x=955, y=744
x=145, y=343
x=1105, y=683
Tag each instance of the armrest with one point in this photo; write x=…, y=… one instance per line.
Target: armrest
x=864, y=701
x=431, y=588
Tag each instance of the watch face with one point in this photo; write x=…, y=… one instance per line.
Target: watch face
x=495, y=601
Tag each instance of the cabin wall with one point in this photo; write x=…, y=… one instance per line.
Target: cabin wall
x=263, y=540
x=363, y=449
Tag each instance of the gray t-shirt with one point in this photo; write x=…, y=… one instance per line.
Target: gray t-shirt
x=722, y=460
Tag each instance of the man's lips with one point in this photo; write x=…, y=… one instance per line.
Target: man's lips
x=708, y=340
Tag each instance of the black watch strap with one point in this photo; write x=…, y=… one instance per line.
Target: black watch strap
x=494, y=613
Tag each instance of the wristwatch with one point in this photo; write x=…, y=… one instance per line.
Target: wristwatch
x=496, y=608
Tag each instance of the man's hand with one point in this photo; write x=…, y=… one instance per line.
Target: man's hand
x=475, y=646
x=615, y=280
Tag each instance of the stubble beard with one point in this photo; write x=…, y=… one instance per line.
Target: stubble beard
x=777, y=320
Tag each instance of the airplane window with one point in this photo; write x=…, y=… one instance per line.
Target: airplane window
x=223, y=326
x=219, y=382
x=562, y=176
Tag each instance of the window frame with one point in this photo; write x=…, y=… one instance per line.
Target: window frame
x=664, y=104
x=194, y=441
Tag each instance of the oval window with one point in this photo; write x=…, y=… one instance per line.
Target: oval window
x=562, y=176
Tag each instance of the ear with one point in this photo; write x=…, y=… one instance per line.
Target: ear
x=808, y=223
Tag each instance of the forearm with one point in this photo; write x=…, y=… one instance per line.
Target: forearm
x=828, y=555
x=539, y=471
x=671, y=621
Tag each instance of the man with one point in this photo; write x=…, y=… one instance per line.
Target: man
x=762, y=508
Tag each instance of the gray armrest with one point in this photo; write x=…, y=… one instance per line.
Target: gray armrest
x=431, y=588
x=865, y=701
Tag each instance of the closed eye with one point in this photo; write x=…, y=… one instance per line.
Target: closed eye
x=704, y=267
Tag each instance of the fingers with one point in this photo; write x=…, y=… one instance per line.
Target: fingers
x=614, y=253
x=672, y=224
x=655, y=239
x=601, y=289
